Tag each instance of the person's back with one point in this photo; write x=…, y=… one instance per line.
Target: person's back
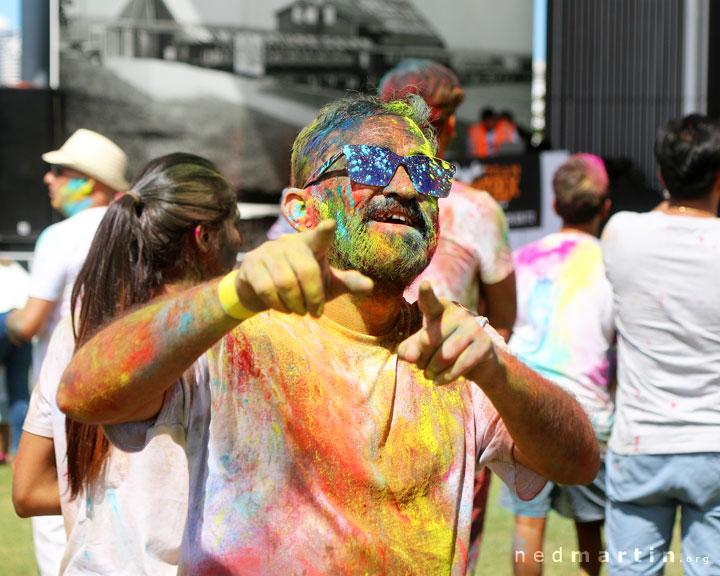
x=664, y=270
x=564, y=330
x=665, y=443
x=564, y=324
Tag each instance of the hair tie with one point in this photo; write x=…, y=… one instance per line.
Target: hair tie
x=135, y=196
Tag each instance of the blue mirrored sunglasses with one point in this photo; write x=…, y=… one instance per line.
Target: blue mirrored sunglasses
x=375, y=166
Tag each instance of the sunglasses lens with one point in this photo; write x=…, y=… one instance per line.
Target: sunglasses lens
x=371, y=165
x=431, y=176
x=375, y=166
x=56, y=170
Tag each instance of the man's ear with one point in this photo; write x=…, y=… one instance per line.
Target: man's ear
x=294, y=207
x=605, y=211
x=554, y=205
x=202, y=238
x=451, y=125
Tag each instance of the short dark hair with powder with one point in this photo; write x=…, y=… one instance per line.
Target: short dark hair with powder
x=581, y=186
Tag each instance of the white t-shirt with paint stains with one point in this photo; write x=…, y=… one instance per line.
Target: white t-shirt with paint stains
x=315, y=450
x=665, y=272
x=473, y=247
x=564, y=327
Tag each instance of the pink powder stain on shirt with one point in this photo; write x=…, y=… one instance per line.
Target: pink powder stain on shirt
x=536, y=255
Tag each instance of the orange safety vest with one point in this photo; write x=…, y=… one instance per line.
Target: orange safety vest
x=477, y=138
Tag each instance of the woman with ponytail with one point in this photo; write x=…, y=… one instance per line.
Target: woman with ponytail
x=124, y=513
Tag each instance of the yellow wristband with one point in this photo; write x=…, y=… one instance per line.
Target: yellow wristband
x=229, y=298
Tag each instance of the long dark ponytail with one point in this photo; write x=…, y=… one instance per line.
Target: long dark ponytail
x=145, y=241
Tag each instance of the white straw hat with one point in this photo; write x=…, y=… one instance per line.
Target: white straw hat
x=94, y=155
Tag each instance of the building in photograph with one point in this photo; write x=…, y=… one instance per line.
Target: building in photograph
x=10, y=50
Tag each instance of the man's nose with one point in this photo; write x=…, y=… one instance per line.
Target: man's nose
x=48, y=177
x=401, y=185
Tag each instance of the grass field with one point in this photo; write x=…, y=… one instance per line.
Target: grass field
x=17, y=559
x=16, y=547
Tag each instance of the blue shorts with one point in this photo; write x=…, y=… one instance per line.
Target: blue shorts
x=643, y=494
x=583, y=503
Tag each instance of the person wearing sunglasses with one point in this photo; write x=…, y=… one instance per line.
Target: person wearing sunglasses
x=473, y=262
x=330, y=426
x=84, y=175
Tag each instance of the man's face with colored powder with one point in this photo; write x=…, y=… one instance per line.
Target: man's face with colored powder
x=388, y=233
x=69, y=190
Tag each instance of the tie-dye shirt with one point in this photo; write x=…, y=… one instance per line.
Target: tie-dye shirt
x=564, y=327
x=473, y=247
x=315, y=450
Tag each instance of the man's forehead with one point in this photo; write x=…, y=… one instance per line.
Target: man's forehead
x=396, y=133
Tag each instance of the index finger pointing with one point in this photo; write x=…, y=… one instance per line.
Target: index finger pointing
x=429, y=303
x=320, y=239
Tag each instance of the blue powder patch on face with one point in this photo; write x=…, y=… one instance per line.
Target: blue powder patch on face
x=74, y=184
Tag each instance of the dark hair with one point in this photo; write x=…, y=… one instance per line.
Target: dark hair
x=321, y=138
x=144, y=241
x=581, y=187
x=486, y=113
x=688, y=152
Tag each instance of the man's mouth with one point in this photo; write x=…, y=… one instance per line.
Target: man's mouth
x=395, y=213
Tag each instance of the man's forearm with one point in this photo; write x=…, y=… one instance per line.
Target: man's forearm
x=121, y=374
x=552, y=434
x=17, y=329
x=23, y=324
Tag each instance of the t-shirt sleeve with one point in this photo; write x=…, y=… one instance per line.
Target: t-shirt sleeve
x=495, y=450
x=608, y=241
x=47, y=277
x=38, y=420
x=173, y=418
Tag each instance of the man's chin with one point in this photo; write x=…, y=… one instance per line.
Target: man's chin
x=385, y=267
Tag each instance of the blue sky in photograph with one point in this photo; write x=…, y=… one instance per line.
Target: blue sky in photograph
x=10, y=13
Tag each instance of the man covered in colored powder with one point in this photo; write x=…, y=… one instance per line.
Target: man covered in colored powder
x=472, y=264
x=85, y=174
x=565, y=331
x=331, y=427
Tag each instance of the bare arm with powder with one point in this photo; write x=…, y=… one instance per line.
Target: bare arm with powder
x=552, y=435
x=153, y=346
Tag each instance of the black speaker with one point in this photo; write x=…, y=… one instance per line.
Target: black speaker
x=30, y=125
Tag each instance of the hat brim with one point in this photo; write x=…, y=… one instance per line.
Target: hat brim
x=58, y=158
